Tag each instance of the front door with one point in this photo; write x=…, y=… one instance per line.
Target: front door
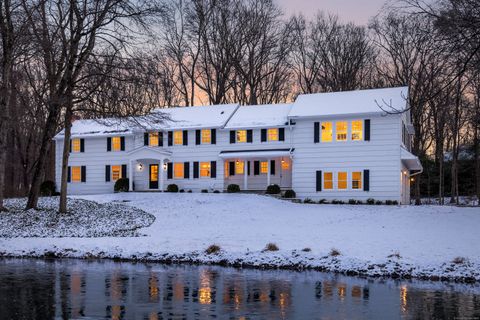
x=153, y=176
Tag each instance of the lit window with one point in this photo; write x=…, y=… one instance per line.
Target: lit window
x=357, y=130
x=226, y=167
x=116, y=144
x=206, y=136
x=239, y=167
x=76, y=174
x=241, y=135
x=285, y=165
x=342, y=180
x=178, y=137
x=272, y=134
x=341, y=130
x=116, y=172
x=357, y=180
x=153, y=139
x=327, y=132
x=76, y=145
x=264, y=167
x=205, y=169
x=178, y=170
x=328, y=180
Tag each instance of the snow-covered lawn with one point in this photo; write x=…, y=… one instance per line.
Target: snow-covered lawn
x=373, y=240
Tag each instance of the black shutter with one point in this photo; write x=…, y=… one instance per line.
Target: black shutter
x=263, y=135
x=281, y=134
x=319, y=180
x=316, y=132
x=249, y=135
x=186, y=170
x=213, y=169
x=366, y=180
x=145, y=139
x=109, y=144
x=122, y=143
x=70, y=146
x=124, y=171
x=160, y=139
x=69, y=175
x=185, y=137
x=170, y=170
x=84, y=173
x=248, y=167
x=196, y=170
x=256, y=168
x=170, y=138
x=214, y=136
x=367, y=129
x=232, y=136
x=82, y=145
x=197, y=136
x=272, y=167
x=231, y=168
x=107, y=173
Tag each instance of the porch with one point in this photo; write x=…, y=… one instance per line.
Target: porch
x=147, y=166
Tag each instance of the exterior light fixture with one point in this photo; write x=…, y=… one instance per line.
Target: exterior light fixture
x=140, y=167
x=165, y=166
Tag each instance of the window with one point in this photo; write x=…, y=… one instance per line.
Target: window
x=116, y=144
x=264, y=167
x=206, y=136
x=342, y=180
x=178, y=137
x=241, y=135
x=327, y=132
x=357, y=180
x=239, y=166
x=328, y=180
x=154, y=173
x=227, y=169
x=285, y=165
x=76, y=174
x=76, y=145
x=205, y=169
x=357, y=130
x=341, y=130
x=116, y=172
x=178, y=170
x=153, y=139
x=272, y=134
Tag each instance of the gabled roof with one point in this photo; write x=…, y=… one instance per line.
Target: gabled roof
x=349, y=102
x=267, y=115
x=90, y=127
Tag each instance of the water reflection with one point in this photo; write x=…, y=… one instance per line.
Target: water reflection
x=36, y=289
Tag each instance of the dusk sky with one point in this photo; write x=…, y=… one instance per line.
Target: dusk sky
x=358, y=11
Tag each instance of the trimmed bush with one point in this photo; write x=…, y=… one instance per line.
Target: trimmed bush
x=378, y=202
x=323, y=201
x=216, y=191
x=352, y=201
x=181, y=191
x=395, y=202
x=273, y=189
x=232, y=188
x=370, y=201
x=47, y=188
x=308, y=200
x=335, y=201
x=121, y=185
x=290, y=194
x=359, y=202
x=189, y=191
x=391, y=202
x=172, y=188
x=204, y=191
x=213, y=249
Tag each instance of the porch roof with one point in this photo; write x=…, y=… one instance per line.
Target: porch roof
x=410, y=160
x=258, y=153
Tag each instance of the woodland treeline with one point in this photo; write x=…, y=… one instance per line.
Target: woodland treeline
x=63, y=60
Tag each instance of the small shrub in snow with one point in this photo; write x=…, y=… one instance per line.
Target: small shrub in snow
x=306, y=249
x=172, y=188
x=335, y=201
x=323, y=201
x=121, y=185
x=216, y=191
x=395, y=202
x=273, y=189
x=289, y=194
x=359, y=202
x=396, y=254
x=308, y=200
x=182, y=190
x=370, y=201
x=378, y=202
x=204, y=191
x=271, y=247
x=189, y=191
x=47, y=188
x=334, y=252
x=352, y=201
x=459, y=260
x=233, y=188
x=213, y=249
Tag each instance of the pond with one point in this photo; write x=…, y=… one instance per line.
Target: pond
x=64, y=289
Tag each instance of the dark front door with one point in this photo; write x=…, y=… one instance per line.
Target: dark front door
x=153, y=176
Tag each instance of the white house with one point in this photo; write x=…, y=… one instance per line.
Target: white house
x=341, y=145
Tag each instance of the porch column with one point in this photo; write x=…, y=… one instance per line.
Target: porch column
x=245, y=176
x=130, y=176
x=268, y=172
x=160, y=169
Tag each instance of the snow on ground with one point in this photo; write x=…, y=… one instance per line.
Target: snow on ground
x=84, y=219
x=372, y=240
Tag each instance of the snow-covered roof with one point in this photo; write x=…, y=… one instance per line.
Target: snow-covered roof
x=90, y=127
x=349, y=102
x=267, y=115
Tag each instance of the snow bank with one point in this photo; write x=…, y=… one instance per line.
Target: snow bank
x=397, y=241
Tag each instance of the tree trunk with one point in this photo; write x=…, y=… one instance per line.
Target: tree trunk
x=66, y=153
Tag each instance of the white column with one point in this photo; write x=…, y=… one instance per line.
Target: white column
x=268, y=172
x=160, y=170
x=245, y=176
x=130, y=176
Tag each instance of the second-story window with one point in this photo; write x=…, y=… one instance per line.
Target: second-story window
x=116, y=144
x=341, y=130
x=327, y=132
x=178, y=137
x=241, y=136
x=76, y=145
x=357, y=130
x=206, y=136
x=153, y=139
x=272, y=134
